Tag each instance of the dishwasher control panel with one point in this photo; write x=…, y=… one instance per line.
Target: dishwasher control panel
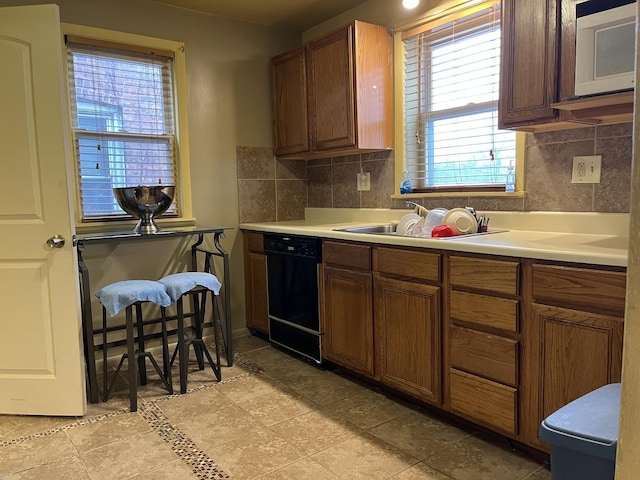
x=295, y=245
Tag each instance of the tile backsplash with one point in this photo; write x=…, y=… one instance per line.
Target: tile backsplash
x=276, y=190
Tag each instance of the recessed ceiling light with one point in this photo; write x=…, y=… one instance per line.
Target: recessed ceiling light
x=410, y=3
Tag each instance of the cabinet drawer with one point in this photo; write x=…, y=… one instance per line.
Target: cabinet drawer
x=347, y=255
x=255, y=241
x=485, y=401
x=598, y=290
x=499, y=276
x=492, y=312
x=407, y=263
x=490, y=356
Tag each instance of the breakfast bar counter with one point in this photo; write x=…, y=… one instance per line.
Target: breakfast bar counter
x=197, y=251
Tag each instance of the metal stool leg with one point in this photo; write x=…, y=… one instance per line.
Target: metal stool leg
x=166, y=364
x=105, y=390
x=140, y=327
x=198, y=343
x=183, y=348
x=198, y=315
x=131, y=366
x=215, y=336
x=142, y=355
x=200, y=349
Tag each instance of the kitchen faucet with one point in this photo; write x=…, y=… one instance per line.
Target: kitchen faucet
x=419, y=209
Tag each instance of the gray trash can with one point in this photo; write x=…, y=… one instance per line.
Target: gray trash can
x=584, y=436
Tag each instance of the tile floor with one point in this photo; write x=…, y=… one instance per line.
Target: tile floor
x=272, y=417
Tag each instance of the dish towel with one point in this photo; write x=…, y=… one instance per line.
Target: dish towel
x=116, y=296
x=178, y=284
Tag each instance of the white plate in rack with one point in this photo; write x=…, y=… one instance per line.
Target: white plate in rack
x=407, y=222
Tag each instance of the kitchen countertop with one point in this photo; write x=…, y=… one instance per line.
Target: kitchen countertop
x=605, y=243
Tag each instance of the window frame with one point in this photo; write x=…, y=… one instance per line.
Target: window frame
x=439, y=15
x=183, y=170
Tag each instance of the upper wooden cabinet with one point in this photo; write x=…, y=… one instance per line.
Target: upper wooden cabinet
x=537, y=78
x=528, y=79
x=289, y=83
x=346, y=76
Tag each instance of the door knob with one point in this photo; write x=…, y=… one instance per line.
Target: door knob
x=57, y=241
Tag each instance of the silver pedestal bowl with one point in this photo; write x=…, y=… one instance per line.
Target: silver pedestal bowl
x=145, y=203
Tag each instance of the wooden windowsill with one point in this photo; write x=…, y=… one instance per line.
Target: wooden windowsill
x=409, y=196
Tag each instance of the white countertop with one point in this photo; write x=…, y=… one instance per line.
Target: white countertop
x=590, y=238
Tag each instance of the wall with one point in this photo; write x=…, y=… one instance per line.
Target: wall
x=279, y=190
x=270, y=190
x=331, y=182
x=628, y=461
x=229, y=105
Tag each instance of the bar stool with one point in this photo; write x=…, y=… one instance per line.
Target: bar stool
x=196, y=284
x=128, y=294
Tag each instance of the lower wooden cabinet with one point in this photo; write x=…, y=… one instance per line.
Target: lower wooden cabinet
x=484, y=338
x=408, y=341
x=498, y=341
x=491, y=356
x=577, y=351
x=255, y=282
x=584, y=289
x=490, y=403
x=348, y=318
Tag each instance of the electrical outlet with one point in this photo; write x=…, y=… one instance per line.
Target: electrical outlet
x=586, y=169
x=364, y=181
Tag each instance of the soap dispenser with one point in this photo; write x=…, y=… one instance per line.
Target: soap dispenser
x=405, y=183
x=510, y=183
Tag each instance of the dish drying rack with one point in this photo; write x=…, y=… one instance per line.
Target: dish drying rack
x=482, y=219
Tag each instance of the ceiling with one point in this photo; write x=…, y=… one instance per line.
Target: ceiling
x=297, y=15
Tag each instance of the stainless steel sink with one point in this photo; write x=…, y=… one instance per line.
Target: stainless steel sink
x=387, y=228
x=390, y=229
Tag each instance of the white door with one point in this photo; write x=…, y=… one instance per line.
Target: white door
x=41, y=360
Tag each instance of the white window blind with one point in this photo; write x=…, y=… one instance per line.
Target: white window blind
x=451, y=86
x=123, y=122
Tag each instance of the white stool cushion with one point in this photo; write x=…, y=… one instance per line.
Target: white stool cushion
x=116, y=296
x=180, y=283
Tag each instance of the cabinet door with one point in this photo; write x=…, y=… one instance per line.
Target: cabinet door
x=289, y=92
x=407, y=330
x=528, y=77
x=348, y=319
x=484, y=401
x=576, y=352
x=257, y=312
x=567, y=53
x=331, y=90
x=255, y=282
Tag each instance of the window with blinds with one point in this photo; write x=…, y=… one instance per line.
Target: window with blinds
x=451, y=85
x=123, y=122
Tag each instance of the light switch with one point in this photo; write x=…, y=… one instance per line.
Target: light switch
x=586, y=169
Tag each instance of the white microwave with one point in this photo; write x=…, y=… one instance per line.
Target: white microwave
x=605, y=46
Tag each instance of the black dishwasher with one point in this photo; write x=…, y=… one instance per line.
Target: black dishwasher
x=292, y=284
